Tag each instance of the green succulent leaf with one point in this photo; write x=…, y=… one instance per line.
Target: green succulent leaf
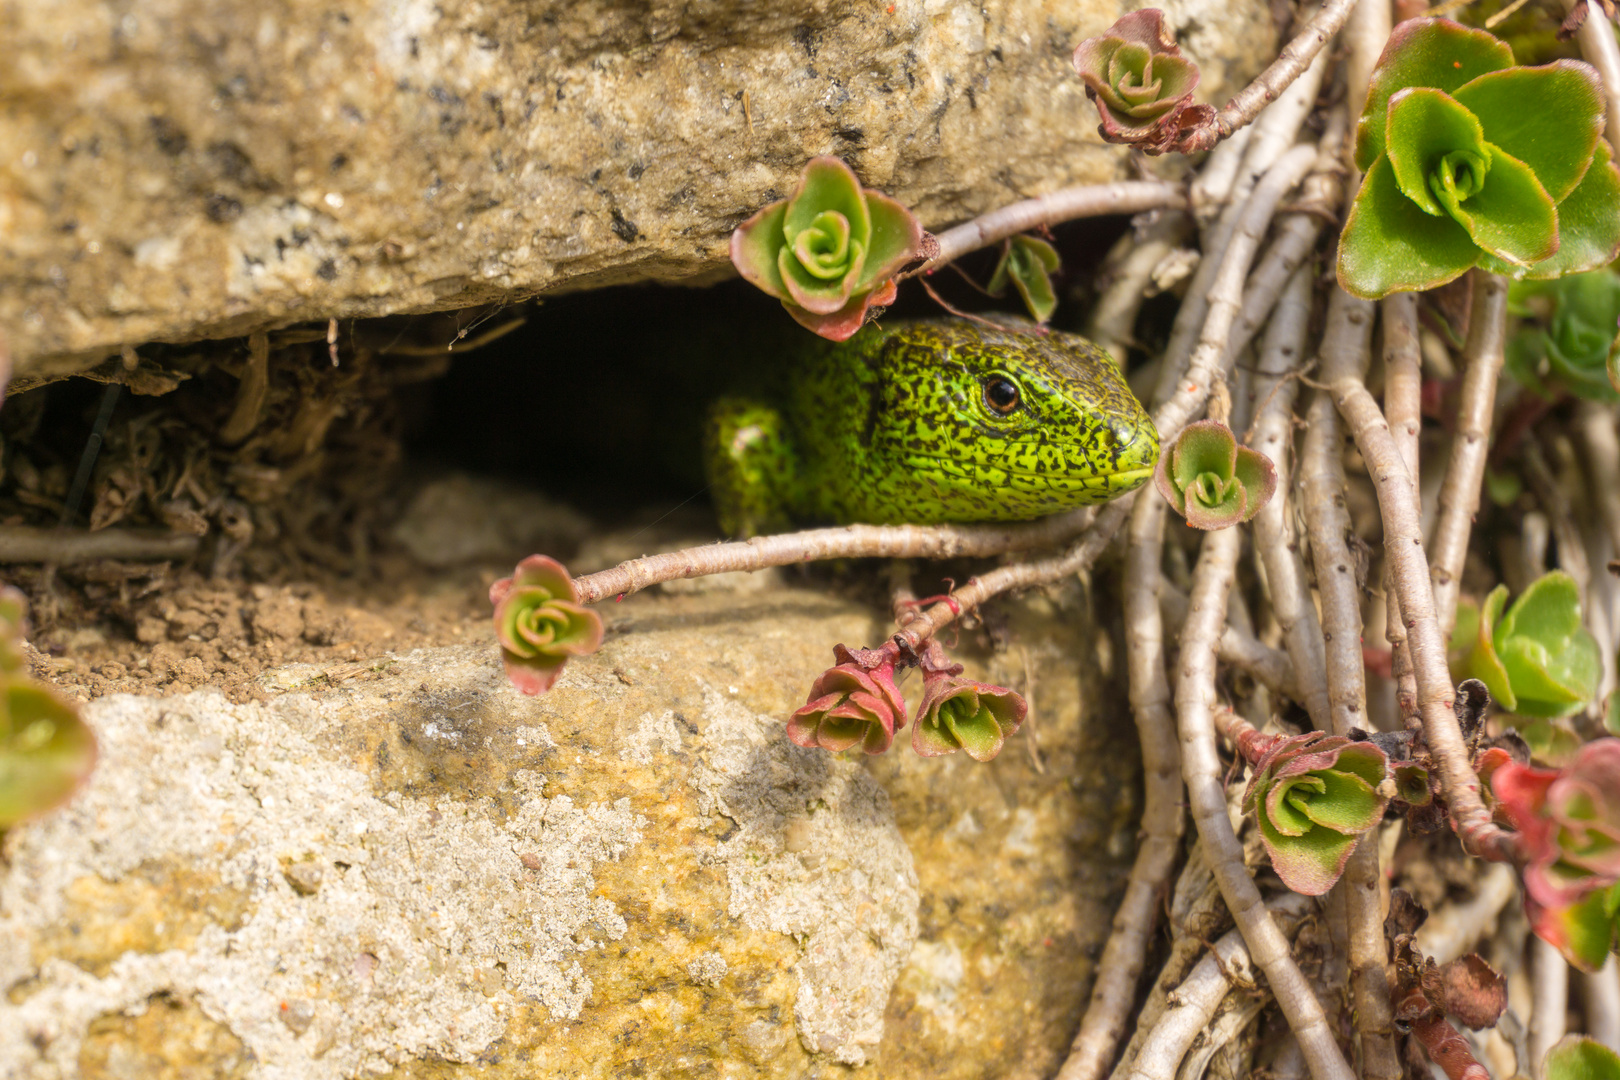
x=1577, y=1057
x=1026, y=263
x=1483, y=663
x=1588, y=227
x=894, y=240
x=1313, y=796
x=1390, y=244
x=1431, y=137
x=46, y=751
x=755, y=246
x=1436, y=53
x=1550, y=118
x=1510, y=215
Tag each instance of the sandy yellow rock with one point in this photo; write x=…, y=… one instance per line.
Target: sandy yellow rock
x=634, y=875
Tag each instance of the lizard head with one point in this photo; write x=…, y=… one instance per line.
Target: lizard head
x=1038, y=423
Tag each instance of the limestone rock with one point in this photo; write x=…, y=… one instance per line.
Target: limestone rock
x=420, y=872
x=201, y=168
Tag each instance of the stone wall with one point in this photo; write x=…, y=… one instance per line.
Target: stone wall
x=181, y=169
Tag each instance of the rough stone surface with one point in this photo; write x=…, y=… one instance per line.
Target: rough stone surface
x=420, y=873
x=180, y=169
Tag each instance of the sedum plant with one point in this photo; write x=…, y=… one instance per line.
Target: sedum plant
x=1313, y=796
x=1473, y=161
x=1140, y=82
x=854, y=702
x=830, y=251
x=1569, y=344
x=541, y=623
x=1569, y=827
x=1027, y=262
x=1536, y=660
x=46, y=751
x=961, y=714
x=1211, y=480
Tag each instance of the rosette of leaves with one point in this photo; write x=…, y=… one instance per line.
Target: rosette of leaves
x=1211, y=480
x=853, y=702
x=830, y=251
x=1572, y=335
x=1028, y=262
x=541, y=623
x=1536, y=660
x=962, y=714
x=1472, y=161
x=46, y=750
x=1140, y=82
x=1314, y=795
x=1569, y=825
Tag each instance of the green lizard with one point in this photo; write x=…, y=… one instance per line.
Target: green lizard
x=928, y=422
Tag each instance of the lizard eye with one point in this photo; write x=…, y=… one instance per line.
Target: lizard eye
x=1001, y=394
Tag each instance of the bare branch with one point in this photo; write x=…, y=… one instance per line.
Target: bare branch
x=1065, y=204
x=843, y=542
x=1201, y=767
x=1403, y=541
x=1465, y=472
x=1113, y=996
x=25, y=544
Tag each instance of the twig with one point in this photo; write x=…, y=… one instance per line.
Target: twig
x=1275, y=131
x=1114, y=993
x=1237, y=647
x=251, y=391
x=1600, y=50
x=1295, y=57
x=1344, y=353
x=1600, y=443
x=1403, y=543
x=1459, y=496
x=843, y=542
x=1454, y=927
x=1295, y=237
x=1274, y=536
x=1549, y=981
x=1602, y=1000
x=1369, y=979
x=1201, y=768
x=1365, y=32
x=1113, y=319
x=1065, y=204
x=1403, y=408
x=25, y=544
x=1201, y=993
x=1077, y=559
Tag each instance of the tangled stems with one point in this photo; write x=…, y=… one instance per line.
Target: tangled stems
x=1403, y=541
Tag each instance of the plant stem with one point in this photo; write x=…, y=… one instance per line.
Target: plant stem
x=1274, y=536
x=1065, y=204
x=1465, y=472
x=1599, y=48
x=26, y=544
x=1602, y=1000
x=1344, y=352
x=1403, y=408
x=1369, y=978
x=1237, y=647
x=1114, y=994
x=1403, y=542
x=1549, y=981
x=1201, y=767
x=1365, y=32
x=1201, y=993
x=1295, y=57
x=1454, y=927
x=1113, y=320
x=842, y=542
